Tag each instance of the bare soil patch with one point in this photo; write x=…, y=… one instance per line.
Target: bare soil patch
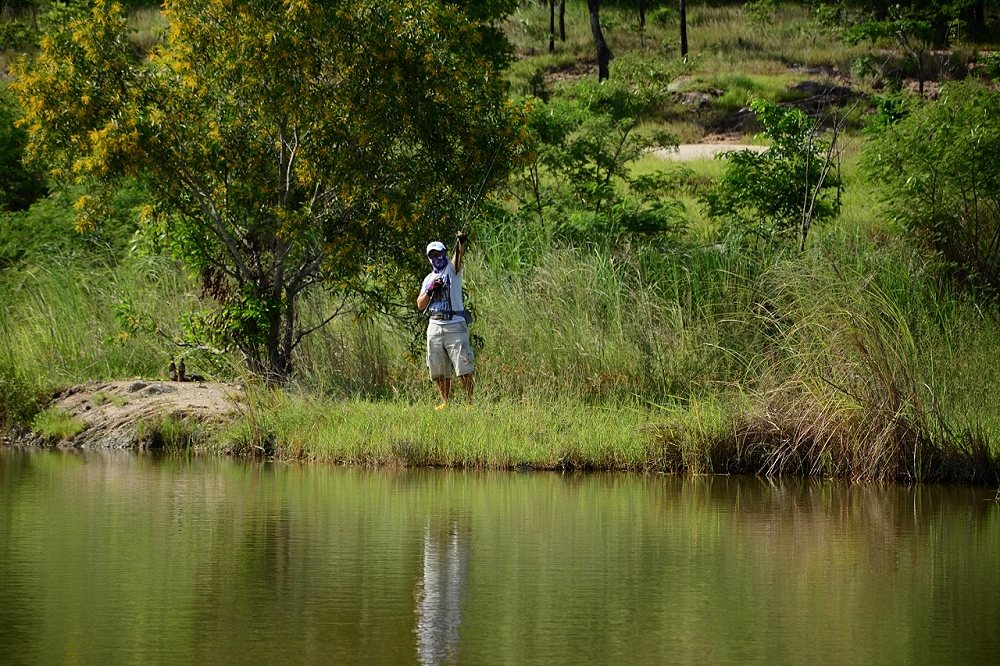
x=702, y=151
x=115, y=412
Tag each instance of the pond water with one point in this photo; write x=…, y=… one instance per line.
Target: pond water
x=124, y=558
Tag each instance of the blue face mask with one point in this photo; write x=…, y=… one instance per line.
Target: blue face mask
x=439, y=262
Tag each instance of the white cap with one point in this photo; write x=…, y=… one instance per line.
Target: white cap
x=436, y=245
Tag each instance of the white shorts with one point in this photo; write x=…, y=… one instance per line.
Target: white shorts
x=448, y=347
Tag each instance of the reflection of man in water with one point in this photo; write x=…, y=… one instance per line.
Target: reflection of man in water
x=439, y=597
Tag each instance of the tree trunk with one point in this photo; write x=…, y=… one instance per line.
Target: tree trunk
x=562, y=20
x=642, y=14
x=603, y=52
x=975, y=15
x=278, y=356
x=920, y=73
x=552, y=26
x=684, y=28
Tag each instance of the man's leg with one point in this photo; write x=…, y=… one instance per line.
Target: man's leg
x=467, y=384
x=444, y=388
x=462, y=357
x=439, y=365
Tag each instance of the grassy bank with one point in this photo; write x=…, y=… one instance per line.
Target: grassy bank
x=846, y=361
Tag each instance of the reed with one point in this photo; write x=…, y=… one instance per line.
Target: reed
x=60, y=325
x=854, y=391
x=486, y=434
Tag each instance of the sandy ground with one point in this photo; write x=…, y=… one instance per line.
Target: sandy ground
x=113, y=411
x=702, y=151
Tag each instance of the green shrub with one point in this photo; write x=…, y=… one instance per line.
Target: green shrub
x=991, y=65
x=16, y=34
x=890, y=108
x=580, y=146
x=57, y=425
x=49, y=228
x=17, y=400
x=938, y=166
x=775, y=195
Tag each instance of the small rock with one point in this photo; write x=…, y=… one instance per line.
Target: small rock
x=135, y=386
x=830, y=91
x=160, y=389
x=698, y=100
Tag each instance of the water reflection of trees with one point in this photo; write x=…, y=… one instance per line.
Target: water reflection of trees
x=211, y=561
x=440, y=592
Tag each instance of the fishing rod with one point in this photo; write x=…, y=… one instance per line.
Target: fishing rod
x=479, y=192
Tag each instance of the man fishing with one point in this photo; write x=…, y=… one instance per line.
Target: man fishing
x=448, y=346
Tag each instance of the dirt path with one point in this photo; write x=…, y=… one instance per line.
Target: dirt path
x=702, y=151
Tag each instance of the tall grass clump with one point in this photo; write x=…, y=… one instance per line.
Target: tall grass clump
x=63, y=319
x=853, y=392
x=494, y=434
x=360, y=355
x=171, y=433
x=57, y=426
x=587, y=323
x=624, y=322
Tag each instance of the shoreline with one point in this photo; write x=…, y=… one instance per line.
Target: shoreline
x=254, y=423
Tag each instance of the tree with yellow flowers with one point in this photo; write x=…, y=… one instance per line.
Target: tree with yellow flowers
x=286, y=145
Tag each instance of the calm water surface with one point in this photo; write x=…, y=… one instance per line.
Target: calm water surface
x=127, y=559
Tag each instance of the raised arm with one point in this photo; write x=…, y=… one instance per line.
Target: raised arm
x=460, y=243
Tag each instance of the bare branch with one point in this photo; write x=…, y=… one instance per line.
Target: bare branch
x=303, y=333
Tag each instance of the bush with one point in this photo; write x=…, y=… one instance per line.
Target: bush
x=774, y=196
x=990, y=63
x=890, y=108
x=49, y=228
x=18, y=402
x=939, y=168
x=16, y=35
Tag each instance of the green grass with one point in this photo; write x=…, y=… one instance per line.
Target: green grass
x=172, y=433
x=56, y=425
x=482, y=434
x=60, y=326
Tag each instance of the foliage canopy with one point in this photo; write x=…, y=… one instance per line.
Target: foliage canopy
x=284, y=145
x=939, y=167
